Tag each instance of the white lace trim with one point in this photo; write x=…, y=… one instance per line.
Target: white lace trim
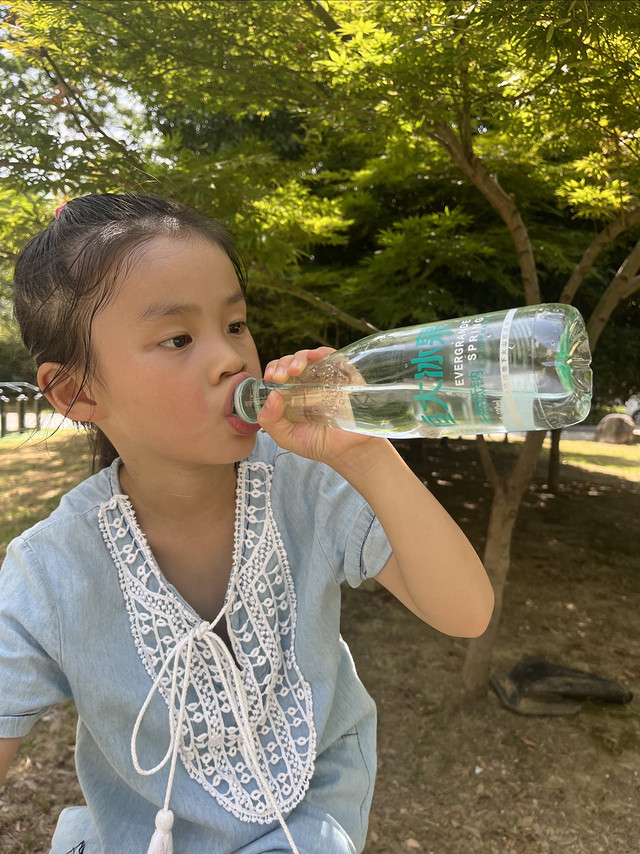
x=246, y=732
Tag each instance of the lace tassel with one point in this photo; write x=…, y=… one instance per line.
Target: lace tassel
x=162, y=841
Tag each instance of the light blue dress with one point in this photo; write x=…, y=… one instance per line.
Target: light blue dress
x=272, y=738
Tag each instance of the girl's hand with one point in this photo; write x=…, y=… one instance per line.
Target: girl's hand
x=316, y=441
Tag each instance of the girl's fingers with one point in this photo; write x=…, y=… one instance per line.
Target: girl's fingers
x=318, y=353
x=291, y=366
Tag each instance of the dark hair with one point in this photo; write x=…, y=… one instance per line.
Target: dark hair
x=65, y=275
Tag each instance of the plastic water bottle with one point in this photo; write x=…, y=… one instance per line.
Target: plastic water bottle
x=517, y=370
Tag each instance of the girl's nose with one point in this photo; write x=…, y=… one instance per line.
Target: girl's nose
x=224, y=360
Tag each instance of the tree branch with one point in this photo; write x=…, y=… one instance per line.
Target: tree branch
x=276, y=284
x=18, y=166
x=73, y=95
x=323, y=15
x=624, y=283
x=624, y=222
x=501, y=202
x=464, y=112
x=487, y=464
x=524, y=468
x=634, y=284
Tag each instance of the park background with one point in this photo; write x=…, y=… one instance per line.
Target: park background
x=383, y=164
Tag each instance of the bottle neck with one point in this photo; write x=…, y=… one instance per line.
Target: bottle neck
x=241, y=397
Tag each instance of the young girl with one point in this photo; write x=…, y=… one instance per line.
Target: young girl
x=187, y=597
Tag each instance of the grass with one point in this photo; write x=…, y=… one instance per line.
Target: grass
x=618, y=460
x=35, y=471
x=615, y=460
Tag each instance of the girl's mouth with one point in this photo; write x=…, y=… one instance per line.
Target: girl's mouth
x=242, y=427
x=237, y=424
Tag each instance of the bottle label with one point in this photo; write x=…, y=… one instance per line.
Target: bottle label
x=512, y=409
x=463, y=345
x=429, y=364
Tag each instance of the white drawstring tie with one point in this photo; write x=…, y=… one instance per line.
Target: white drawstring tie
x=162, y=841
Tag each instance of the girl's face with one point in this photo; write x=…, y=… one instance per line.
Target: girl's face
x=170, y=348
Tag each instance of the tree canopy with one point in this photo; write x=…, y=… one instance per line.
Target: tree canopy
x=376, y=159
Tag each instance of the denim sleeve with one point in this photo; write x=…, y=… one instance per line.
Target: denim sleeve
x=367, y=549
x=344, y=526
x=31, y=679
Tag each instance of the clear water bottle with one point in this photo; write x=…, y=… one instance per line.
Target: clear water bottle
x=522, y=369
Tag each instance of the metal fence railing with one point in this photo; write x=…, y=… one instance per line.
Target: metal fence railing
x=21, y=406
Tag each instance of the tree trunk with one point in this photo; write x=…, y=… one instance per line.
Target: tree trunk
x=508, y=492
x=553, y=475
x=497, y=559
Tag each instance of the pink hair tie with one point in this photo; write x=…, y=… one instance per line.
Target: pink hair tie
x=59, y=210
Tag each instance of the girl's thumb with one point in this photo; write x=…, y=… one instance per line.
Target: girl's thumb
x=272, y=411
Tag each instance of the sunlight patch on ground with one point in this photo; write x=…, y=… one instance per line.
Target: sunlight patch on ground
x=618, y=460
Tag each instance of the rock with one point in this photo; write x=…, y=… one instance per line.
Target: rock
x=616, y=429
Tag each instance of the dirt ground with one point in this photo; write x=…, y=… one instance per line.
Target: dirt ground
x=484, y=780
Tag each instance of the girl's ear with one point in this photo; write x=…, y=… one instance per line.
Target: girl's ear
x=64, y=390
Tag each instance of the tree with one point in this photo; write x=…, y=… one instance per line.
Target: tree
x=499, y=73
x=387, y=162
x=18, y=216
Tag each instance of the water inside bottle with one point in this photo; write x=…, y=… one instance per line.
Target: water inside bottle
x=395, y=410
x=523, y=369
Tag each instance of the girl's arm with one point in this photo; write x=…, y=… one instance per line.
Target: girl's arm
x=8, y=748
x=433, y=570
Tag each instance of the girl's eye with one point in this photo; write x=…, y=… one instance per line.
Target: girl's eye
x=178, y=342
x=238, y=327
